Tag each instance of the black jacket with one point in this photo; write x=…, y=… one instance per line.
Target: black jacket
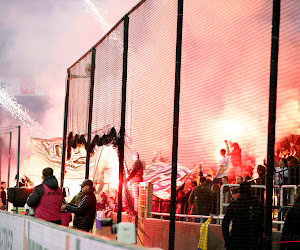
x=34, y=198
x=201, y=200
x=85, y=212
x=3, y=197
x=246, y=214
x=136, y=174
x=291, y=229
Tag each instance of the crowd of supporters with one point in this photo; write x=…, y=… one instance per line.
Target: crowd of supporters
x=286, y=172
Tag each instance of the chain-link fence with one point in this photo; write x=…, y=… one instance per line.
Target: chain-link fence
x=187, y=93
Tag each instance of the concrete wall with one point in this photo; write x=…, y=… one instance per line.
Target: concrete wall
x=187, y=235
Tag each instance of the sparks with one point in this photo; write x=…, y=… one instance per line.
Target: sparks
x=90, y=6
x=115, y=35
x=9, y=103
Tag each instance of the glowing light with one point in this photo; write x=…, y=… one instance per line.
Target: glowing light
x=9, y=103
x=82, y=149
x=114, y=163
x=233, y=130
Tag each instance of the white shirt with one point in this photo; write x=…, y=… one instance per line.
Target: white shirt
x=224, y=161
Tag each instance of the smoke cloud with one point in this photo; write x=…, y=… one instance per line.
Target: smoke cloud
x=40, y=40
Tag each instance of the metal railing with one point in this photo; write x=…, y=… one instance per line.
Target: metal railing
x=223, y=204
x=218, y=218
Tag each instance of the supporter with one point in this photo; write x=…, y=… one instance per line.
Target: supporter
x=236, y=158
x=261, y=170
x=21, y=183
x=3, y=193
x=291, y=229
x=216, y=198
x=187, y=196
x=103, y=201
x=181, y=203
x=246, y=214
x=261, y=180
x=239, y=180
x=193, y=185
x=112, y=204
x=281, y=178
x=292, y=161
x=201, y=199
x=235, y=190
x=86, y=210
x=293, y=172
x=226, y=191
x=223, y=165
x=247, y=178
x=285, y=174
x=47, y=198
x=250, y=180
x=76, y=199
x=136, y=176
x=208, y=182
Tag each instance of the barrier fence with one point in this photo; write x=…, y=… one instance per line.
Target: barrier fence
x=28, y=233
x=172, y=80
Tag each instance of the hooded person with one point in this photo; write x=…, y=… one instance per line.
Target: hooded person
x=86, y=210
x=47, y=198
x=291, y=231
x=247, y=216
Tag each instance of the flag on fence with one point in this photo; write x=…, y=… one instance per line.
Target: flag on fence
x=159, y=174
x=203, y=240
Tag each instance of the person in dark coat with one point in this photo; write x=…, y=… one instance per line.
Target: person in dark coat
x=135, y=177
x=247, y=216
x=47, y=198
x=86, y=210
x=201, y=199
x=3, y=193
x=216, y=199
x=291, y=228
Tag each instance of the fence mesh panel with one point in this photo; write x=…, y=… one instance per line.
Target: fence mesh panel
x=79, y=96
x=225, y=82
x=108, y=83
x=150, y=84
x=150, y=98
x=224, y=96
x=288, y=112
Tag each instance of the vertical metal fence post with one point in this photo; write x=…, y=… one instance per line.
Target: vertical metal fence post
x=88, y=155
x=63, y=155
x=123, y=110
x=175, y=126
x=0, y=157
x=19, y=148
x=272, y=121
x=9, y=160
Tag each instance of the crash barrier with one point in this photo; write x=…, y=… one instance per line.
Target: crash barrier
x=157, y=231
x=291, y=191
x=217, y=218
x=281, y=212
x=187, y=217
x=260, y=188
x=26, y=232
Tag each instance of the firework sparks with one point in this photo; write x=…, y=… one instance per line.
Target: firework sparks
x=90, y=6
x=9, y=103
x=106, y=26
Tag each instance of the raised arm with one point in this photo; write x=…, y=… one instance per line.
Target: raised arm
x=227, y=148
